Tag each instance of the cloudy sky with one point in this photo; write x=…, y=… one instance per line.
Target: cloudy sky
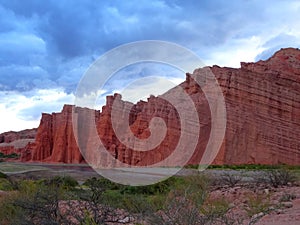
x=46, y=46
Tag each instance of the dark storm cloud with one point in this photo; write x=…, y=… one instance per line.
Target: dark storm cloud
x=48, y=34
x=47, y=45
x=53, y=42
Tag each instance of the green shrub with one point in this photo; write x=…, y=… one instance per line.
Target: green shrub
x=3, y=175
x=103, y=183
x=280, y=177
x=5, y=185
x=34, y=202
x=153, y=189
x=215, y=208
x=9, y=213
x=13, y=156
x=27, y=187
x=136, y=204
x=157, y=202
x=113, y=198
x=183, y=203
x=88, y=220
x=250, y=167
x=257, y=203
x=10, y=156
x=66, y=182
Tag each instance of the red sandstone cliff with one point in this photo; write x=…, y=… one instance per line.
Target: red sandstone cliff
x=55, y=140
x=263, y=110
x=11, y=136
x=15, y=142
x=263, y=119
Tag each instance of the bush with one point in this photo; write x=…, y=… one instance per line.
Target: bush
x=9, y=213
x=13, y=156
x=5, y=185
x=66, y=182
x=10, y=156
x=230, y=179
x=215, y=210
x=257, y=204
x=162, y=187
x=280, y=177
x=37, y=202
x=102, y=183
x=136, y=204
x=188, y=204
x=3, y=175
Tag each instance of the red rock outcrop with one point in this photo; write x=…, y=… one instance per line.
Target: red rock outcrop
x=263, y=110
x=12, y=136
x=16, y=142
x=140, y=116
x=55, y=140
x=263, y=119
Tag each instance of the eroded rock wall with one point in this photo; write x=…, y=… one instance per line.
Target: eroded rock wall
x=263, y=119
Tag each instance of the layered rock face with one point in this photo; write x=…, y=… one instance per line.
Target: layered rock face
x=263, y=110
x=263, y=120
x=15, y=142
x=124, y=146
x=55, y=140
x=11, y=136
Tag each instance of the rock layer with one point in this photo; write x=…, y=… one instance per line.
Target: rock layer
x=16, y=142
x=55, y=140
x=11, y=136
x=263, y=120
x=263, y=110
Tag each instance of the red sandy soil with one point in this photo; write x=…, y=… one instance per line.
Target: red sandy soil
x=280, y=212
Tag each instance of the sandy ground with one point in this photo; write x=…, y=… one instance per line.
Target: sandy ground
x=279, y=211
x=289, y=214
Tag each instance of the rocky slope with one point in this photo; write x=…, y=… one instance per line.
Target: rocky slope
x=263, y=119
x=15, y=142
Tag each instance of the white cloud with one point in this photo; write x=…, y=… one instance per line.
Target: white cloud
x=10, y=122
x=23, y=110
x=142, y=88
x=236, y=51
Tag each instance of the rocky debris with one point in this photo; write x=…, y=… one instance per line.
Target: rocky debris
x=263, y=120
x=75, y=211
x=244, y=198
x=257, y=216
x=287, y=204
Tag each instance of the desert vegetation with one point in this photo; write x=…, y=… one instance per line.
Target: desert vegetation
x=3, y=156
x=193, y=199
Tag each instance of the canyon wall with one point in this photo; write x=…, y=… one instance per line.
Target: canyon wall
x=263, y=110
x=55, y=141
x=263, y=119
